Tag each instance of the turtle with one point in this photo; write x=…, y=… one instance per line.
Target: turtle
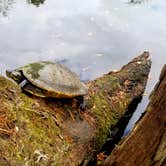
x=49, y=79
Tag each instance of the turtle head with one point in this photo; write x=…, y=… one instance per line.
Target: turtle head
x=15, y=75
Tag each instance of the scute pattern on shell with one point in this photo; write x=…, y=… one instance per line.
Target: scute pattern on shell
x=54, y=77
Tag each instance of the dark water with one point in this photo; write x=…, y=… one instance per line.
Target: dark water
x=91, y=37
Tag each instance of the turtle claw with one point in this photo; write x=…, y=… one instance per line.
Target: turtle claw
x=82, y=106
x=81, y=103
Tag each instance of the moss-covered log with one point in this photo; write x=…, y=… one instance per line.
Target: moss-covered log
x=146, y=144
x=36, y=131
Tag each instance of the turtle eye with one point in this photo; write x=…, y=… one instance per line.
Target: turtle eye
x=16, y=76
x=8, y=73
x=16, y=73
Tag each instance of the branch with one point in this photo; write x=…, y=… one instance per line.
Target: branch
x=146, y=144
x=37, y=131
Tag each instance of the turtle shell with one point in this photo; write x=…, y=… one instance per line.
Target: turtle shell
x=52, y=80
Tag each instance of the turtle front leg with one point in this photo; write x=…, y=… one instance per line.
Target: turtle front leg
x=81, y=102
x=23, y=83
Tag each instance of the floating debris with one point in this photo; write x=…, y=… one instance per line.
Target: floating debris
x=99, y=54
x=58, y=35
x=51, y=52
x=62, y=43
x=85, y=68
x=90, y=34
x=107, y=11
x=116, y=9
x=126, y=25
x=92, y=18
x=110, y=25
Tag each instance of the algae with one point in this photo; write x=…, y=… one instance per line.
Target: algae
x=33, y=69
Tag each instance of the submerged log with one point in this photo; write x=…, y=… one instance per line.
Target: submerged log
x=37, y=131
x=146, y=144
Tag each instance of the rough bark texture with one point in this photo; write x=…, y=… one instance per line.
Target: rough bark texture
x=146, y=145
x=36, y=131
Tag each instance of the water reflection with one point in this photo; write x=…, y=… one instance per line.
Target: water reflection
x=91, y=37
x=36, y=2
x=5, y=6
x=136, y=1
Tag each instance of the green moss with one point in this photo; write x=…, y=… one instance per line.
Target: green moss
x=110, y=113
x=38, y=133
x=31, y=130
x=110, y=83
x=102, y=106
x=101, y=109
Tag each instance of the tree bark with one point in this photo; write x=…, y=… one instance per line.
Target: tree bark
x=37, y=131
x=146, y=144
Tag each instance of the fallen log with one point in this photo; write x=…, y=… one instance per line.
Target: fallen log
x=37, y=131
x=146, y=144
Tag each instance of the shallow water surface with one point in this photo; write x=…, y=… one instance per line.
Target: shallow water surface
x=91, y=37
